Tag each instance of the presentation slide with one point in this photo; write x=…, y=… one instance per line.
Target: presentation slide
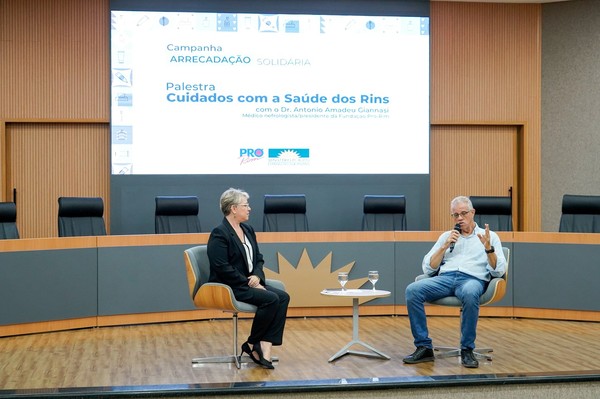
x=244, y=93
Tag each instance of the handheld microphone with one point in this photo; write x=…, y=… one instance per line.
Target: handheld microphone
x=457, y=228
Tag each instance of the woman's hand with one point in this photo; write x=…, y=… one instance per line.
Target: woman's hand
x=254, y=282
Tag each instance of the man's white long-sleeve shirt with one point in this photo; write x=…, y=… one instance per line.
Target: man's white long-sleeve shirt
x=468, y=256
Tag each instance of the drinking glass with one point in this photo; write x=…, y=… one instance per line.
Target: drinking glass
x=343, y=279
x=373, y=277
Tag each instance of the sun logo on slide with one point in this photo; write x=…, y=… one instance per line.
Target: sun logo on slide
x=308, y=295
x=289, y=154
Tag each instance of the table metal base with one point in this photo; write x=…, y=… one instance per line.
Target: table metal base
x=356, y=341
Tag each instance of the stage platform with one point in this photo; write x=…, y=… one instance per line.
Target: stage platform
x=154, y=360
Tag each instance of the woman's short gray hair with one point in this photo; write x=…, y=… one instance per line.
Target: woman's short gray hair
x=231, y=197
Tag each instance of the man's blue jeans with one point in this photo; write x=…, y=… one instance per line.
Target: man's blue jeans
x=466, y=288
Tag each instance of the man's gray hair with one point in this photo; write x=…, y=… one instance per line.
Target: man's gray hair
x=461, y=199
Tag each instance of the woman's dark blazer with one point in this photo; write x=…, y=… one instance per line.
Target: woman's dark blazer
x=228, y=263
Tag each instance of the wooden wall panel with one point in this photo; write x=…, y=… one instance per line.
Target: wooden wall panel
x=55, y=59
x=473, y=160
x=486, y=69
x=50, y=160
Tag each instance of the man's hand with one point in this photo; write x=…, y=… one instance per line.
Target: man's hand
x=452, y=238
x=485, y=238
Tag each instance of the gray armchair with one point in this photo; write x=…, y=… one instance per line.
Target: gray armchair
x=217, y=296
x=495, y=291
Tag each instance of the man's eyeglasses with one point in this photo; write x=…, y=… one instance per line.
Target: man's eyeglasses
x=463, y=214
x=245, y=205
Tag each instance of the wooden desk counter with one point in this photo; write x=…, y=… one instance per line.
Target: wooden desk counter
x=60, y=283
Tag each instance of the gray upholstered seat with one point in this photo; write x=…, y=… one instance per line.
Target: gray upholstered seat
x=384, y=213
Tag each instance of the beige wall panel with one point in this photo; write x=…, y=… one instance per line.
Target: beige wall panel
x=48, y=161
x=470, y=160
x=486, y=68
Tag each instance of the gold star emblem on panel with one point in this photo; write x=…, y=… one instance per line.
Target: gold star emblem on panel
x=304, y=282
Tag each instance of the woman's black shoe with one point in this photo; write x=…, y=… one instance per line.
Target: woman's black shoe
x=246, y=349
x=261, y=360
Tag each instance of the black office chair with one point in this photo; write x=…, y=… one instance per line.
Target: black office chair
x=494, y=292
x=580, y=214
x=217, y=296
x=495, y=211
x=80, y=216
x=8, y=221
x=176, y=214
x=384, y=213
x=285, y=213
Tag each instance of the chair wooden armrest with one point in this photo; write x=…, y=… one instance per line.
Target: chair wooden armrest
x=215, y=296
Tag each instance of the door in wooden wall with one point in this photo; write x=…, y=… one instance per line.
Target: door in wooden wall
x=471, y=160
x=50, y=160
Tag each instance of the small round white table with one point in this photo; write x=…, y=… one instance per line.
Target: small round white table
x=356, y=294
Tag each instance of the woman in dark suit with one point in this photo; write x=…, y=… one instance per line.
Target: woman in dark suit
x=235, y=260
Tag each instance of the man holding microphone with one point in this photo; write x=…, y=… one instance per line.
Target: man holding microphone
x=461, y=263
